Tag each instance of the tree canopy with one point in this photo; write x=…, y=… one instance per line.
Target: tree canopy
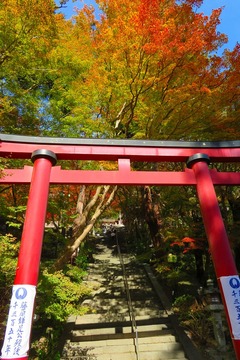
x=144, y=69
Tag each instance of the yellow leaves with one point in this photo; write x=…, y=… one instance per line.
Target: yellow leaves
x=26, y=26
x=108, y=165
x=6, y=107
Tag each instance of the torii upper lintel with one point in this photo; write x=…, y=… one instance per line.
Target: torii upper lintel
x=22, y=147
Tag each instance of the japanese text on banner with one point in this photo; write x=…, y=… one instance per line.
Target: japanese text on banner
x=231, y=291
x=17, y=335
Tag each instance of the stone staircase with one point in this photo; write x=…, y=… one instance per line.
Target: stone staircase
x=116, y=340
x=107, y=331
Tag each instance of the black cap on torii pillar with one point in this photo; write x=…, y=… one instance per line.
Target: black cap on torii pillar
x=196, y=158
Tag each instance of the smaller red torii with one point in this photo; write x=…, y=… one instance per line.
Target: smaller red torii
x=45, y=152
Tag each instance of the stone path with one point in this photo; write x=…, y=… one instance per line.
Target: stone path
x=107, y=332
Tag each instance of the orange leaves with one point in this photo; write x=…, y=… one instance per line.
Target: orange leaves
x=176, y=29
x=156, y=51
x=206, y=90
x=145, y=68
x=189, y=244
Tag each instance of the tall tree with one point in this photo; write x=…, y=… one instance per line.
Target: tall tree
x=28, y=30
x=154, y=70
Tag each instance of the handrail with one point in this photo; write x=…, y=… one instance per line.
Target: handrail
x=129, y=300
x=119, y=142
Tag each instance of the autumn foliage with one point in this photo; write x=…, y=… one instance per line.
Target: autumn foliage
x=142, y=69
x=139, y=69
x=152, y=71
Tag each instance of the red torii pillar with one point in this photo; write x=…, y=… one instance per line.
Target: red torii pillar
x=17, y=335
x=225, y=268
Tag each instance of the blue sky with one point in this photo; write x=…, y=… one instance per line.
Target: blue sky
x=230, y=23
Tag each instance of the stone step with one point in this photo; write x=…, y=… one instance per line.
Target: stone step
x=105, y=303
x=118, y=295
x=119, y=333
x=116, y=271
x=131, y=356
x=128, y=348
x=89, y=321
x=125, y=349
x=120, y=327
x=142, y=341
x=97, y=320
x=111, y=314
x=176, y=355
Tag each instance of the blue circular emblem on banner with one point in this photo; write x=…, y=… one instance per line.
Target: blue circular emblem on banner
x=234, y=283
x=21, y=293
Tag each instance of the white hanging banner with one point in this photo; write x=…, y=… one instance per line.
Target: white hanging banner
x=231, y=291
x=17, y=335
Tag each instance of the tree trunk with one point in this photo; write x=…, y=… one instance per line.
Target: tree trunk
x=153, y=217
x=200, y=272
x=84, y=223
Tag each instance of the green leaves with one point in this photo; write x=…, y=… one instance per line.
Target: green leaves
x=27, y=32
x=58, y=296
x=8, y=258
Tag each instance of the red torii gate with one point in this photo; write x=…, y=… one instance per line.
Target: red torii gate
x=45, y=152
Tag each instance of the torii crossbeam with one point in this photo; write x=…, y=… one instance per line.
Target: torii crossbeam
x=45, y=152
x=124, y=152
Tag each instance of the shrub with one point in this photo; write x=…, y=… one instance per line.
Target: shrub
x=8, y=261
x=195, y=318
x=45, y=348
x=200, y=326
x=182, y=305
x=58, y=296
x=85, y=252
x=74, y=273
